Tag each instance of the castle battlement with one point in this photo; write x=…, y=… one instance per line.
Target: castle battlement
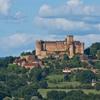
x=67, y=46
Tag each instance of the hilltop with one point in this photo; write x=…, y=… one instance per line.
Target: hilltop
x=62, y=74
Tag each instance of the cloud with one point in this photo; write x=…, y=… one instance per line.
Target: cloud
x=73, y=16
x=45, y=10
x=15, y=40
x=17, y=17
x=65, y=24
x=88, y=39
x=19, y=40
x=71, y=7
x=6, y=14
x=74, y=2
x=5, y=6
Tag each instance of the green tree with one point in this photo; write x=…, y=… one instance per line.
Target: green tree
x=97, y=87
x=75, y=95
x=75, y=62
x=56, y=95
x=43, y=84
x=36, y=74
x=97, y=64
x=94, y=48
x=85, y=76
x=65, y=57
x=87, y=51
x=4, y=61
x=98, y=54
x=26, y=53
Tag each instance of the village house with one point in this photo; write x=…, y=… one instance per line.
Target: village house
x=28, y=61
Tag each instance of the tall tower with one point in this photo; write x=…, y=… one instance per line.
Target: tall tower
x=71, y=50
x=82, y=48
x=38, y=48
x=70, y=39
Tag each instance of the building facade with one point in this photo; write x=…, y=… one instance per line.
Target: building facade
x=28, y=61
x=68, y=46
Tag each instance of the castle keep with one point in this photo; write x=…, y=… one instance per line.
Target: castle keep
x=68, y=46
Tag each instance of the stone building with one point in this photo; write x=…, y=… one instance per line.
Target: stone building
x=68, y=46
x=28, y=61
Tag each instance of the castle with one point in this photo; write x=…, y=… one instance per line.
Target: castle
x=68, y=46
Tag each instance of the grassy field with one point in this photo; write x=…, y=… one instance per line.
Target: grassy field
x=57, y=81
x=43, y=92
x=55, y=77
x=63, y=85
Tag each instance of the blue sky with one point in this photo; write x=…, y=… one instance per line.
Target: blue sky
x=22, y=22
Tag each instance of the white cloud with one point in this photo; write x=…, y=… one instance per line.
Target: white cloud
x=5, y=13
x=45, y=10
x=72, y=7
x=4, y=6
x=19, y=40
x=15, y=40
x=88, y=39
x=19, y=15
x=64, y=24
x=73, y=16
x=74, y=2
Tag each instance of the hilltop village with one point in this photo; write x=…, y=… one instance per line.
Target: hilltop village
x=45, y=49
x=54, y=49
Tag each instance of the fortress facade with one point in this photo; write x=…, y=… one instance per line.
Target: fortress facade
x=68, y=46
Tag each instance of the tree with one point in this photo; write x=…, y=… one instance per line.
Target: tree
x=75, y=95
x=98, y=54
x=43, y=84
x=27, y=92
x=85, y=76
x=97, y=87
x=94, y=48
x=4, y=61
x=3, y=95
x=33, y=52
x=66, y=77
x=87, y=51
x=65, y=57
x=97, y=64
x=16, y=69
x=56, y=95
x=75, y=62
x=36, y=74
x=26, y=53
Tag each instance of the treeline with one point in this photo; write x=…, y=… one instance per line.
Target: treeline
x=17, y=82
x=71, y=95
x=5, y=61
x=93, y=50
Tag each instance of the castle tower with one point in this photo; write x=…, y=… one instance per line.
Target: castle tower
x=82, y=48
x=71, y=50
x=70, y=39
x=38, y=48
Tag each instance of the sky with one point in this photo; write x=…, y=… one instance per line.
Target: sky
x=22, y=22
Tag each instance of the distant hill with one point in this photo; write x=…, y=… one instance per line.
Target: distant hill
x=93, y=50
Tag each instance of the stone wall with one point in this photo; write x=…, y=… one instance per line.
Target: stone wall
x=68, y=46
